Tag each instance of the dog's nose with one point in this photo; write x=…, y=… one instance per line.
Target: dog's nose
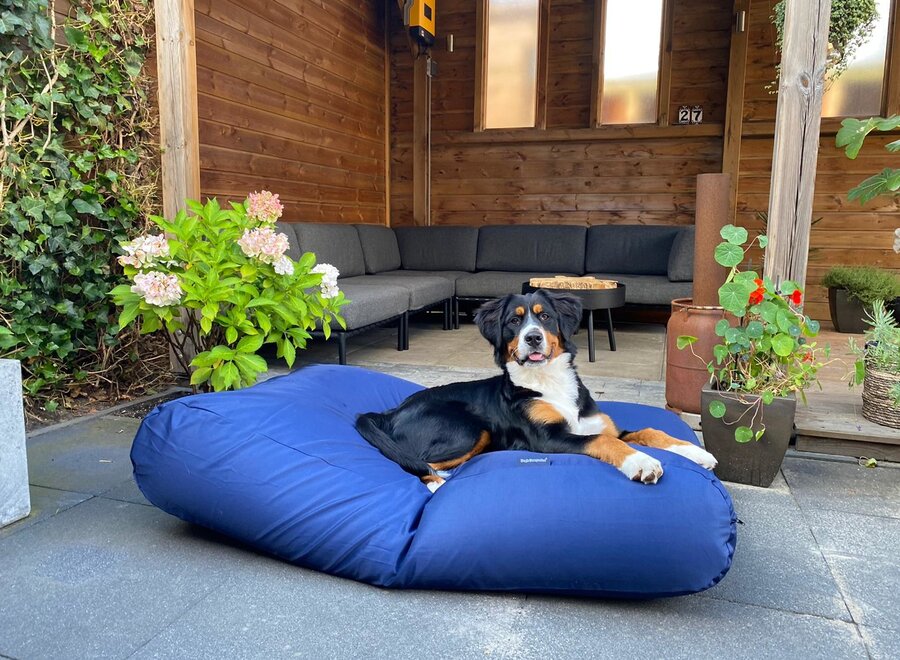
x=534, y=339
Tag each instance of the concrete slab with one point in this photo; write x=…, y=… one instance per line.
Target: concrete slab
x=102, y=578
x=85, y=458
x=127, y=491
x=839, y=533
x=882, y=644
x=870, y=589
x=777, y=563
x=844, y=486
x=14, y=496
x=45, y=502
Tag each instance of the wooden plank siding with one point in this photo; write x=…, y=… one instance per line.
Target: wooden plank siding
x=843, y=232
x=292, y=98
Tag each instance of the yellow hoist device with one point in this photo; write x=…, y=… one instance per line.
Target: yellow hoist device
x=418, y=16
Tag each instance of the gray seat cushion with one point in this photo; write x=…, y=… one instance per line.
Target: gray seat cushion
x=437, y=248
x=495, y=283
x=371, y=304
x=681, y=259
x=629, y=249
x=379, y=246
x=450, y=275
x=421, y=291
x=551, y=249
x=649, y=289
x=333, y=244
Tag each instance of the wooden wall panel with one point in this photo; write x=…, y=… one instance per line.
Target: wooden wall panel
x=291, y=97
x=843, y=232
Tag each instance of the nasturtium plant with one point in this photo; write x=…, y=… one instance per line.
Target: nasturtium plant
x=219, y=284
x=851, y=136
x=768, y=353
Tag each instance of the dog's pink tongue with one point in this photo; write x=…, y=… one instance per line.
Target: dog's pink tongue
x=536, y=357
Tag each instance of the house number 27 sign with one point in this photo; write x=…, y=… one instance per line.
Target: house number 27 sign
x=688, y=114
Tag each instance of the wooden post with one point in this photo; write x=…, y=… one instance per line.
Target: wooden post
x=797, y=122
x=734, y=105
x=422, y=141
x=178, y=125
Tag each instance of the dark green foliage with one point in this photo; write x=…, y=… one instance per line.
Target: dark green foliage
x=865, y=283
x=77, y=174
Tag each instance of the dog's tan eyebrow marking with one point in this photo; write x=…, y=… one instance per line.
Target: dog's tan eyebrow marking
x=520, y=311
x=538, y=308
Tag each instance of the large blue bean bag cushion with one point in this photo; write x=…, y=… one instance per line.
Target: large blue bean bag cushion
x=279, y=466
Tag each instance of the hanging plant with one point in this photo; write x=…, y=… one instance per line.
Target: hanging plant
x=851, y=25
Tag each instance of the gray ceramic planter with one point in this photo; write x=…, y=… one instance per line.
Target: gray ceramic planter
x=847, y=313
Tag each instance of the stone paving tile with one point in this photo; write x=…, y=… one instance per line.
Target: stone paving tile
x=45, y=503
x=870, y=589
x=777, y=563
x=127, y=491
x=90, y=457
x=842, y=533
x=882, y=644
x=844, y=486
x=101, y=578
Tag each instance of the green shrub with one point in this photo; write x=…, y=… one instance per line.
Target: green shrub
x=865, y=283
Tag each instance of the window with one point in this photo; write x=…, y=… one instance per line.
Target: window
x=511, y=64
x=631, y=50
x=858, y=91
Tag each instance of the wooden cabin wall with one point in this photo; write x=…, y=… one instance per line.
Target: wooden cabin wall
x=570, y=174
x=844, y=232
x=292, y=99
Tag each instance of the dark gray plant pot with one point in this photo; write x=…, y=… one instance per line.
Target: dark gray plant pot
x=847, y=313
x=756, y=462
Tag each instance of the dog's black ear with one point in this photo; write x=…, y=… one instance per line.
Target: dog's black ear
x=488, y=319
x=568, y=308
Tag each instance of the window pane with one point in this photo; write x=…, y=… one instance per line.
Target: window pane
x=511, y=86
x=857, y=91
x=632, y=40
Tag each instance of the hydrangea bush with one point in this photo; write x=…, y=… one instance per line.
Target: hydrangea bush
x=220, y=284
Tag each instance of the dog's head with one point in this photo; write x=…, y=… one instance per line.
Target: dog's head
x=531, y=329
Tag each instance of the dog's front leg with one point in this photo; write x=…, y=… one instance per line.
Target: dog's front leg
x=634, y=464
x=661, y=440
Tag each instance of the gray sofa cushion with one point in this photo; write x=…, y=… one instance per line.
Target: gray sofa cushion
x=437, y=248
x=379, y=246
x=450, y=275
x=550, y=249
x=649, y=289
x=681, y=259
x=421, y=291
x=629, y=249
x=371, y=304
x=333, y=244
x=496, y=283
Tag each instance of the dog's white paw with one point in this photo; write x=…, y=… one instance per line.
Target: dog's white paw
x=694, y=453
x=641, y=467
x=434, y=485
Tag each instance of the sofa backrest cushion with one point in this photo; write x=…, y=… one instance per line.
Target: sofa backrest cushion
x=379, y=246
x=437, y=248
x=334, y=244
x=681, y=259
x=629, y=249
x=545, y=248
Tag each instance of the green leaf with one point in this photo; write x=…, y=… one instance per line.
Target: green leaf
x=763, y=241
x=782, y=344
x=812, y=327
x=886, y=181
x=74, y=36
x=720, y=352
x=717, y=409
x=768, y=397
x=128, y=314
x=222, y=352
x=231, y=334
x=785, y=320
x=255, y=363
x=743, y=434
x=788, y=287
x=722, y=326
x=734, y=235
x=683, y=341
x=289, y=352
x=201, y=375
x=230, y=375
x=854, y=131
x=250, y=344
x=755, y=329
x=733, y=296
x=728, y=255
x=734, y=335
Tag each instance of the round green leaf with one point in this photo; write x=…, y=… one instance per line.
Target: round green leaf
x=717, y=409
x=763, y=241
x=721, y=327
x=734, y=235
x=755, y=329
x=728, y=255
x=743, y=434
x=782, y=344
x=683, y=341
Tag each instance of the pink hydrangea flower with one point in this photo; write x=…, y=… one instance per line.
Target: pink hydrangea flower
x=144, y=251
x=264, y=206
x=329, y=285
x=157, y=288
x=264, y=244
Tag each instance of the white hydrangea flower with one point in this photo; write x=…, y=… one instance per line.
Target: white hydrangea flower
x=144, y=251
x=329, y=285
x=157, y=288
x=264, y=244
x=284, y=266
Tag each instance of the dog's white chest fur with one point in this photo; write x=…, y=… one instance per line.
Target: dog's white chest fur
x=558, y=386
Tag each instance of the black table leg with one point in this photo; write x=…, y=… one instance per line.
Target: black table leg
x=342, y=348
x=591, y=335
x=610, y=330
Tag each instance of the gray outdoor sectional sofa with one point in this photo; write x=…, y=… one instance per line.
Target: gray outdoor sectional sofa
x=390, y=273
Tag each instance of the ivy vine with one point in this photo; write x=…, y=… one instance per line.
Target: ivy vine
x=78, y=173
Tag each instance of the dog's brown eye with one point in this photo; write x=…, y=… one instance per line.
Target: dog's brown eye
x=515, y=320
x=545, y=316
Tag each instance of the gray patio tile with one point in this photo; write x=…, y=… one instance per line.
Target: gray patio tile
x=45, y=502
x=285, y=611
x=870, y=588
x=689, y=627
x=844, y=486
x=777, y=562
x=882, y=644
x=103, y=577
x=89, y=457
x=127, y=491
x=842, y=533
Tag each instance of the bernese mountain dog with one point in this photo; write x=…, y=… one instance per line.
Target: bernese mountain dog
x=537, y=404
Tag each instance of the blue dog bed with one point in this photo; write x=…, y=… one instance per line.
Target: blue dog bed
x=280, y=467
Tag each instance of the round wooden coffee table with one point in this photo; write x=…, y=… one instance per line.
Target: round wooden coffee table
x=591, y=300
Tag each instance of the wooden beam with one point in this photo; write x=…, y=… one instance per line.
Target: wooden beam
x=387, y=114
x=422, y=141
x=797, y=122
x=176, y=62
x=734, y=105
x=664, y=82
x=892, y=64
x=597, y=62
x=481, y=48
x=543, y=63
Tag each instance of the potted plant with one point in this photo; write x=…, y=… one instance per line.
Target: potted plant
x=760, y=365
x=877, y=367
x=220, y=285
x=852, y=290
